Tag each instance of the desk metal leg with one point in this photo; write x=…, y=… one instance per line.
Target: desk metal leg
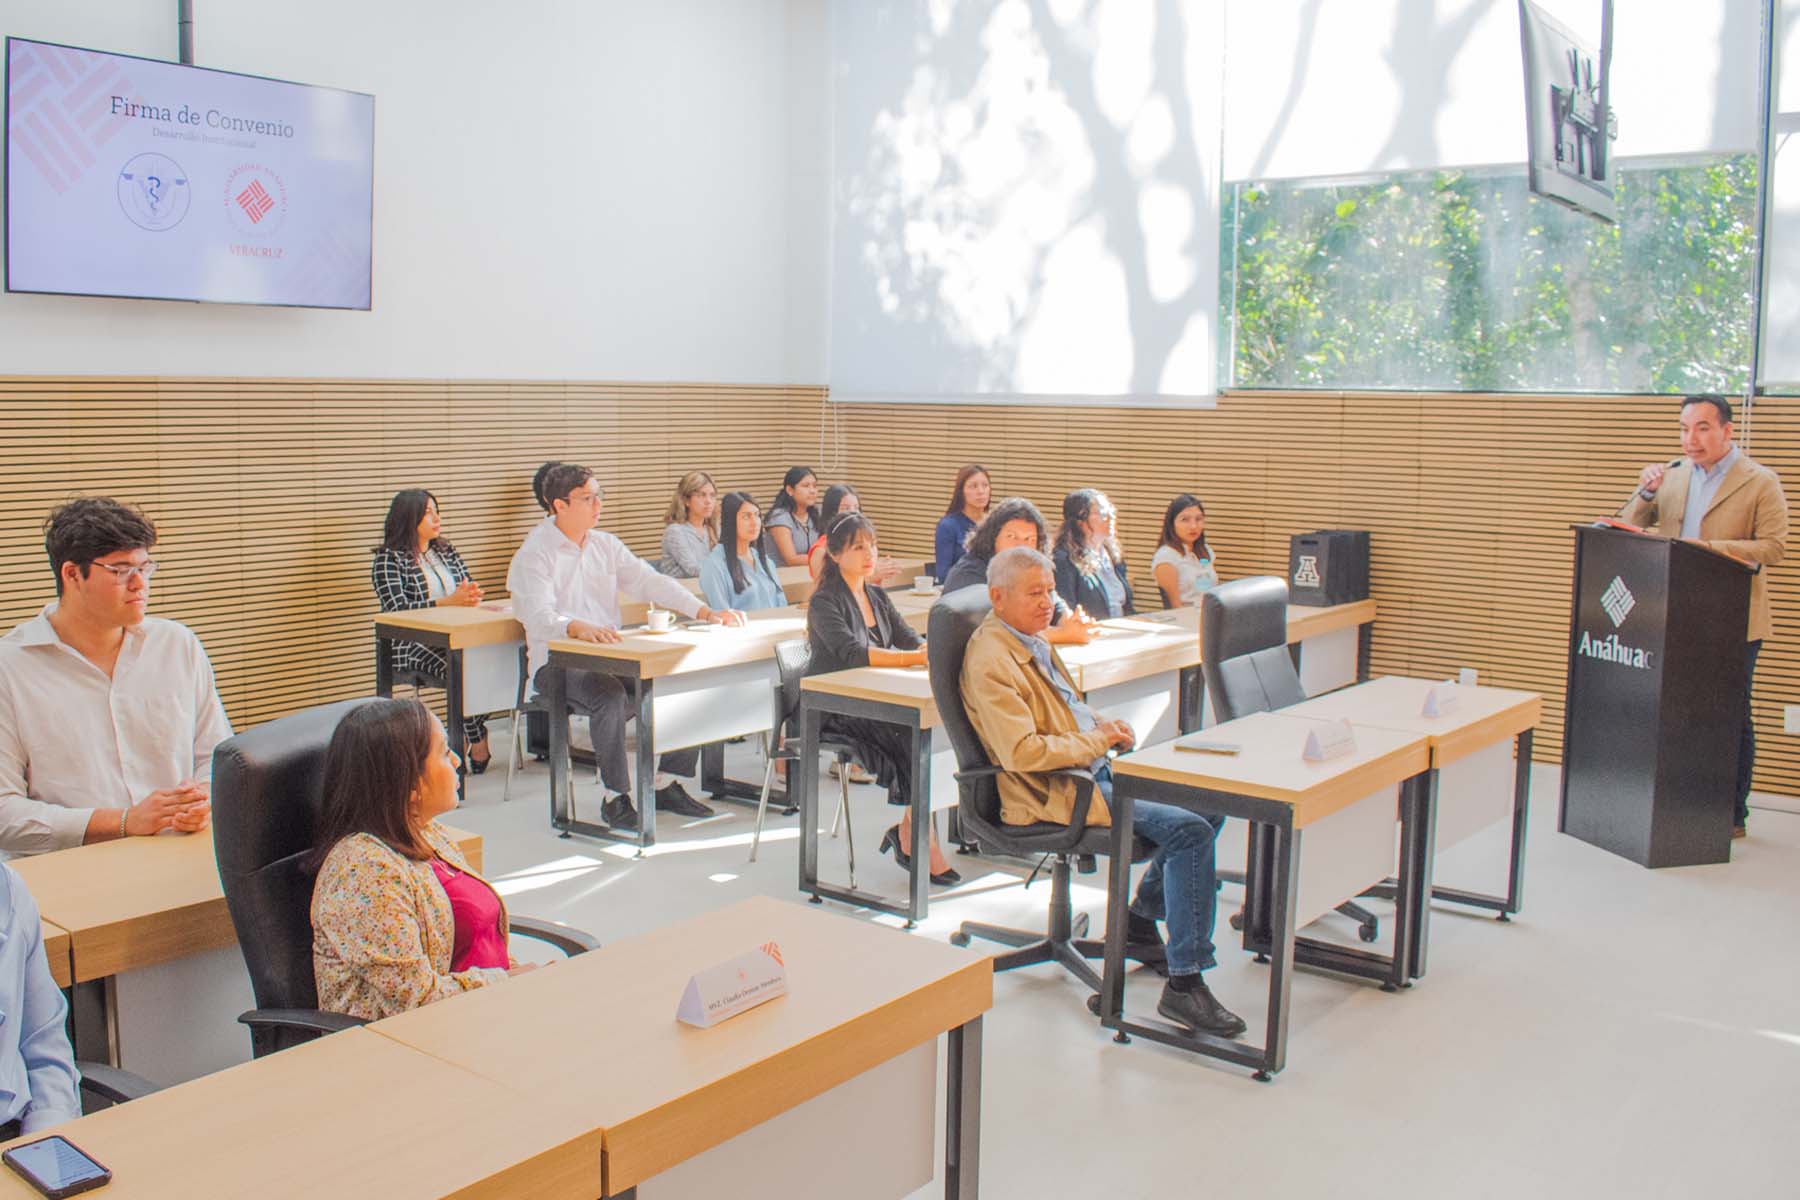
x=1118, y=901
x=1504, y=906
x=384, y=666
x=1418, y=849
x=1365, y=644
x=1283, y=895
x=919, y=885
x=1192, y=705
x=720, y=786
x=962, y=1113
x=453, y=717
x=646, y=766
x=803, y=784
x=90, y=1022
x=556, y=697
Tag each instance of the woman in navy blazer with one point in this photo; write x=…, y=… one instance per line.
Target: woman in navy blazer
x=415, y=567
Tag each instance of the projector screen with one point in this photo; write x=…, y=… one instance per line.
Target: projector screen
x=137, y=178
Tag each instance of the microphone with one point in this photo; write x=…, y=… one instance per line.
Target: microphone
x=1639, y=494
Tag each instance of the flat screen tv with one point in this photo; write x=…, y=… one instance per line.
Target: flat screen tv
x=132, y=177
x=1568, y=120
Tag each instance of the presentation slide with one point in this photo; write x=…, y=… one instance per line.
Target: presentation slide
x=131, y=177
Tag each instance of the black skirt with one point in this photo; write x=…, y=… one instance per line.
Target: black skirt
x=881, y=747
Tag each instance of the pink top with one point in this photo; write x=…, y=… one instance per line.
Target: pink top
x=480, y=941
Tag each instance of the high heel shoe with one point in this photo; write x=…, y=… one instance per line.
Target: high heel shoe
x=479, y=766
x=890, y=841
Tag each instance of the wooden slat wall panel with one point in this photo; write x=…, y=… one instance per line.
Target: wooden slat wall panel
x=1468, y=499
x=268, y=493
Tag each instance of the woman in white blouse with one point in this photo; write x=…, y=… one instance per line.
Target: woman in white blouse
x=1183, y=562
x=415, y=567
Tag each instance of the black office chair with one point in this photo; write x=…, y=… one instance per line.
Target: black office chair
x=792, y=658
x=103, y=1086
x=266, y=794
x=953, y=621
x=1249, y=669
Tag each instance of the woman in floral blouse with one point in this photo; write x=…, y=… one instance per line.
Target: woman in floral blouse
x=398, y=918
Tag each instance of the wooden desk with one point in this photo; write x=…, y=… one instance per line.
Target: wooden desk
x=595, y=1039
x=56, y=951
x=900, y=696
x=136, y=905
x=1346, y=808
x=693, y=687
x=479, y=645
x=1469, y=788
x=353, y=1114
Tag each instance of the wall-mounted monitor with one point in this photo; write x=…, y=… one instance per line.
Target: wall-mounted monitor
x=1568, y=121
x=145, y=179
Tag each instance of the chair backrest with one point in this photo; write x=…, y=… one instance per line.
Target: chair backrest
x=792, y=657
x=953, y=621
x=267, y=788
x=1243, y=647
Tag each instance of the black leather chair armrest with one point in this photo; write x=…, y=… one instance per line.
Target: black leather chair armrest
x=1085, y=787
x=978, y=773
x=312, y=1019
x=567, y=938
x=113, y=1085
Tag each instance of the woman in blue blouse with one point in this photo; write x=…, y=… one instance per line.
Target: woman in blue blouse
x=968, y=505
x=737, y=574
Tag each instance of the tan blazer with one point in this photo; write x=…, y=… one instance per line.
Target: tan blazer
x=1027, y=729
x=1748, y=518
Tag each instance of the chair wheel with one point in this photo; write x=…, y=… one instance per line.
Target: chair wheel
x=1369, y=932
x=1237, y=921
x=959, y=938
x=1093, y=1003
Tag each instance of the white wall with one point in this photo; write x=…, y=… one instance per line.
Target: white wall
x=563, y=189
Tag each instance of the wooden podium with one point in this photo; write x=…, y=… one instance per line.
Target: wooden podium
x=1655, y=697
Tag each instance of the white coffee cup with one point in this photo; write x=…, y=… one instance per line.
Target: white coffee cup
x=660, y=619
x=923, y=583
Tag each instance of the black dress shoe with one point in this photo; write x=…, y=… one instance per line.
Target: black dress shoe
x=890, y=843
x=675, y=799
x=1200, y=1011
x=619, y=812
x=479, y=766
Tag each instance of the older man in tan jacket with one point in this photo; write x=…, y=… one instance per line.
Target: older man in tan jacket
x=1718, y=497
x=1032, y=721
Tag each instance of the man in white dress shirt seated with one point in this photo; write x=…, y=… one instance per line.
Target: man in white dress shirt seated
x=108, y=716
x=565, y=583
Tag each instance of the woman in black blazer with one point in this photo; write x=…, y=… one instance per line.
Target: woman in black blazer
x=416, y=568
x=850, y=622
x=1090, y=569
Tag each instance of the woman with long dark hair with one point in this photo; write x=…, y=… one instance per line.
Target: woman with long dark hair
x=1183, y=562
x=851, y=623
x=737, y=574
x=415, y=567
x=969, y=501
x=793, y=521
x=1090, y=568
x=1010, y=523
x=399, y=919
x=841, y=498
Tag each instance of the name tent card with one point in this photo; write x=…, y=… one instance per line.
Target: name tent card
x=1441, y=700
x=736, y=985
x=1332, y=739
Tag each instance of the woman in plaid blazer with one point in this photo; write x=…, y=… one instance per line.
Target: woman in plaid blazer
x=416, y=568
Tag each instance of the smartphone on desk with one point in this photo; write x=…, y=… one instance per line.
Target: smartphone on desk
x=56, y=1167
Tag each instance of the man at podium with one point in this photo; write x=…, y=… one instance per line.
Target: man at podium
x=1716, y=496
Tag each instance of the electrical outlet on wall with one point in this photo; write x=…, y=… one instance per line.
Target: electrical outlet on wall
x=1790, y=718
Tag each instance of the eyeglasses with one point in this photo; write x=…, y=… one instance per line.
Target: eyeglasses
x=124, y=571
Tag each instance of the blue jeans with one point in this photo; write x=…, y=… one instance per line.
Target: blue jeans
x=1180, y=887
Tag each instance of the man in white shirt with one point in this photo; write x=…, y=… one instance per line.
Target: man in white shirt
x=108, y=717
x=565, y=582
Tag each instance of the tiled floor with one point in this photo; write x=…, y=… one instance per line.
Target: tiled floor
x=1633, y=1033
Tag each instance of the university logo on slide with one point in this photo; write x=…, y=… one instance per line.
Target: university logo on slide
x=1307, y=573
x=256, y=200
x=1618, y=601
x=154, y=192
